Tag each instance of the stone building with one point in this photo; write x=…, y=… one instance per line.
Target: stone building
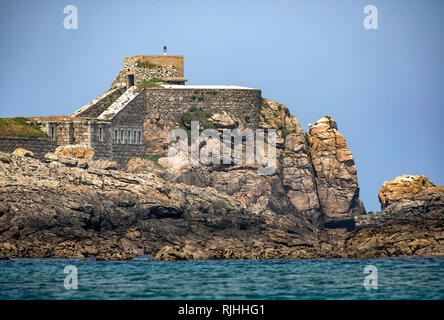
x=147, y=85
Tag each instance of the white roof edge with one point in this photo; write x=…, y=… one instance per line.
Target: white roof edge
x=119, y=104
x=178, y=86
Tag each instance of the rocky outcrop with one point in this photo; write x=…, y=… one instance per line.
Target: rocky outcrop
x=411, y=221
x=156, y=135
x=336, y=177
x=225, y=120
x=48, y=210
x=402, y=238
x=291, y=190
x=72, y=206
x=411, y=188
x=57, y=211
x=315, y=177
x=408, y=198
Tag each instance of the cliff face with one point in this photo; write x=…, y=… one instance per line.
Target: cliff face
x=336, y=177
x=315, y=177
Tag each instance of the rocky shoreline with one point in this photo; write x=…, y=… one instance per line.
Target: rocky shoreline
x=70, y=206
x=48, y=210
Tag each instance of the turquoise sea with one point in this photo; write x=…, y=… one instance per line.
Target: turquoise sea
x=401, y=278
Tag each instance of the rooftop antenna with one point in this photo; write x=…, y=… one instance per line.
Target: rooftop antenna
x=164, y=50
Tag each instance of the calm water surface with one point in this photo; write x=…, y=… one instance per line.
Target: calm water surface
x=401, y=278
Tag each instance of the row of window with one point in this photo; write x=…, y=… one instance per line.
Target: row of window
x=120, y=136
x=127, y=136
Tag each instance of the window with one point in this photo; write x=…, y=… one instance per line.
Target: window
x=101, y=134
x=121, y=136
x=138, y=137
x=115, y=135
x=52, y=132
x=134, y=136
x=129, y=136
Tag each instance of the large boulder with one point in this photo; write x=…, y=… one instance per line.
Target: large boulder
x=411, y=221
x=408, y=198
x=75, y=151
x=156, y=135
x=408, y=187
x=224, y=120
x=79, y=156
x=23, y=152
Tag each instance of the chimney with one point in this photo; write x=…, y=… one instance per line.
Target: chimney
x=164, y=50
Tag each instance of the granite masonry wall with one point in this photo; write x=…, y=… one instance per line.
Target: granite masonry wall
x=39, y=146
x=171, y=103
x=132, y=114
x=101, y=140
x=67, y=132
x=122, y=153
x=163, y=67
x=127, y=131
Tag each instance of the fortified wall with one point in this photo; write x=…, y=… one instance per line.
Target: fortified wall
x=38, y=146
x=169, y=102
x=146, y=86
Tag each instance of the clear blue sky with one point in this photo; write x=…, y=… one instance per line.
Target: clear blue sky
x=384, y=87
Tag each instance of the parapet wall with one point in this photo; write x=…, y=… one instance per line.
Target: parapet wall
x=39, y=146
x=171, y=103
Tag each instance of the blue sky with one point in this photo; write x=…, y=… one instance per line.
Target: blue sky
x=385, y=87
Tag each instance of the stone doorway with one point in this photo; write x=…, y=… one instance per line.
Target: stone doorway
x=130, y=80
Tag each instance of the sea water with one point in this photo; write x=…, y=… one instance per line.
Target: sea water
x=400, y=278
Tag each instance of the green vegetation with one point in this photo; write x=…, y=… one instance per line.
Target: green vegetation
x=18, y=127
x=154, y=159
x=279, y=107
x=284, y=131
x=154, y=82
x=199, y=98
x=160, y=124
x=147, y=64
x=286, y=155
x=213, y=92
x=265, y=104
x=264, y=117
x=195, y=114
